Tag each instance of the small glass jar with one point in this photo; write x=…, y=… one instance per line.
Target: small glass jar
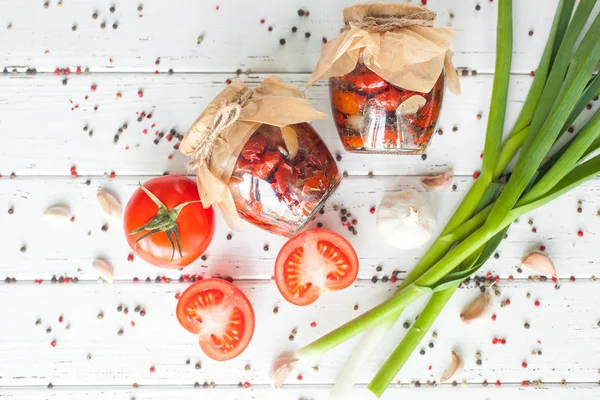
x=279, y=191
x=374, y=116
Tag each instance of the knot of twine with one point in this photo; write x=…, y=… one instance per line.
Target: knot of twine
x=388, y=23
x=225, y=116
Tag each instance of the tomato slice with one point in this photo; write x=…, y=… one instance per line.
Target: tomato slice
x=220, y=314
x=312, y=262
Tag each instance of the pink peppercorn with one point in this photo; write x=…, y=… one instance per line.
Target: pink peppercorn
x=537, y=303
x=503, y=341
x=113, y=175
x=494, y=317
x=580, y=233
x=524, y=364
x=130, y=257
x=247, y=384
x=572, y=279
x=140, y=93
x=495, y=341
x=507, y=302
x=313, y=324
x=152, y=369
x=299, y=377
x=542, y=248
x=53, y=343
x=534, y=230
x=372, y=210
x=476, y=174
x=498, y=383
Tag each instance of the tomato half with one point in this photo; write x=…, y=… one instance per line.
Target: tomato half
x=312, y=262
x=220, y=315
x=194, y=225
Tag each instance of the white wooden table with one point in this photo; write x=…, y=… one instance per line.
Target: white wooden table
x=46, y=123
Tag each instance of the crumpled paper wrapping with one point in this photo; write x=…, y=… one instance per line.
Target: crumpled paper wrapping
x=411, y=57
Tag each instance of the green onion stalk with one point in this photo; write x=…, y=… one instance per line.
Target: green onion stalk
x=563, y=85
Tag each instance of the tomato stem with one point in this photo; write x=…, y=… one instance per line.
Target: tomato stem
x=165, y=221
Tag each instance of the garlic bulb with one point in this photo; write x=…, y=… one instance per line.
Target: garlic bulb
x=405, y=219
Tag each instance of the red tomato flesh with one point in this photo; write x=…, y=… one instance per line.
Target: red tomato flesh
x=220, y=315
x=312, y=262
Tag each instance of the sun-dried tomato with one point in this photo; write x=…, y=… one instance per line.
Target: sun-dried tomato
x=368, y=82
x=254, y=148
x=267, y=164
x=283, y=178
x=348, y=102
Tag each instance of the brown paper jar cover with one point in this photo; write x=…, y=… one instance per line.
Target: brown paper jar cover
x=269, y=167
x=387, y=73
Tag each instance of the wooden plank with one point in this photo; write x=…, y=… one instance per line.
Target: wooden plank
x=69, y=249
x=233, y=34
x=51, y=139
x=564, y=328
x=303, y=392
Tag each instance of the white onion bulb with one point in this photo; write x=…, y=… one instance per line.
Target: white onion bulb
x=405, y=219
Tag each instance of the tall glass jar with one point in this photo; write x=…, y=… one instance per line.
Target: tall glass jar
x=374, y=116
x=279, y=183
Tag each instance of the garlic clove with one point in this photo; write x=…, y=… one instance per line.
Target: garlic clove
x=476, y=309
x=290, y=138
x=411, y=105
x=540, y=263
x=454, y=369
x=109, y=204
x=438, y=182
x=58, y=213
x=356, y=122
x=282, y=367
x=105, y=270
x=405, y=219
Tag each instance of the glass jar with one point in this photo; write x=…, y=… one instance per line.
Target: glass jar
x=374, y=116
x=280, y=191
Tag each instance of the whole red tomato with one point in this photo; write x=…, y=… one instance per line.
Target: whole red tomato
x=165, y=223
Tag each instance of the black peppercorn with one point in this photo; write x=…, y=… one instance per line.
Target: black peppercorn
x=282, y=41
x=307, y=34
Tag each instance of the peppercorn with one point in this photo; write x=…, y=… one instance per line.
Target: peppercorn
x=282, y=41
x=422, y=352
x=307, y=34
x=374, y=279
x=384, y=279
x=478, y=362
x=431, y=345
x=198, y=365
x=301, y=12
x=229, y=236
x=423, y=157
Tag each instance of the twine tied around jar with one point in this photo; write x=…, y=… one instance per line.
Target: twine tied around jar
x=388, y=23
x=225, y=116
